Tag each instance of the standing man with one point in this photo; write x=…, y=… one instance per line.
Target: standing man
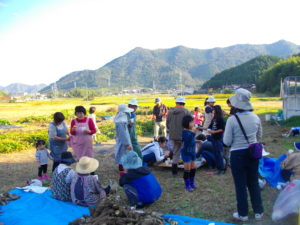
x=174, y=125
x=133, y=104
x=159, y=116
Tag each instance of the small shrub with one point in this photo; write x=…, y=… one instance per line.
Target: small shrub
x=38, y=119
x=5, y=122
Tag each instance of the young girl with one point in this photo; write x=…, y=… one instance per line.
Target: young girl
x=216, y=129
x=92, y=115
x=42, y=156
x=198, y=117
x=188, y=153
x=208, y=115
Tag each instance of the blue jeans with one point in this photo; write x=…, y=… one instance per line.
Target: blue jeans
x=245, y=175
x=150, y=159
x=210, y=158
x=132, y=194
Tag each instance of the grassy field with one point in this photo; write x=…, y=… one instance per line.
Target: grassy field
x=213, y=200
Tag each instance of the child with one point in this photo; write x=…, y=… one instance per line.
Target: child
x=92, y=115
x=62, y=178
x=139, y=184
x=188, y=153
x=42, y=156
x=216, y=130
x=85, y=188
x=153, y=152
x=198, y=117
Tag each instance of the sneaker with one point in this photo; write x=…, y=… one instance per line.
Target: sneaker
x=238, y=217
x=258, y=216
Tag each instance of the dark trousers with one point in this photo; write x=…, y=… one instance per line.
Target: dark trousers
x=131, y=194
x=55, y=164
x=210, y=158
x=245, y=175
x=219, y=153
x=150, y=159
x=42, y=169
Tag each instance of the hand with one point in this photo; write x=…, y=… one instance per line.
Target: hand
x=166, y=154
x=128, y=147
x=87, y=131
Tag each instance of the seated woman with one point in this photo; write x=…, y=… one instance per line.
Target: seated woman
x=138, y=182
x=153, y=152
x=291, y=166
x=206, y=150
x=85, y=188
x=62, y=178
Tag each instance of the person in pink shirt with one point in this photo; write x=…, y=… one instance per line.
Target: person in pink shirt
x=198, y=117
x=82, y=130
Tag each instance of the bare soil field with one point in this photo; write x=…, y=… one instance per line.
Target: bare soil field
x=213, y=200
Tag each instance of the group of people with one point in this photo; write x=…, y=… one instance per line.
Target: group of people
x=187, y=135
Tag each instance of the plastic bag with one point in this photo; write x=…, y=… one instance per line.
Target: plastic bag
x=287, y=202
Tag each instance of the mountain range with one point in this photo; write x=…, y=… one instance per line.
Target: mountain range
x=21, y=88
x=168, y=68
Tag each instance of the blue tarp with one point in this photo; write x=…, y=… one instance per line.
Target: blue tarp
x=40, y=209
x=184, y=220
x=269, y=168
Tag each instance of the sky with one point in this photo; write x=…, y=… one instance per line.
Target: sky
x=43, y=40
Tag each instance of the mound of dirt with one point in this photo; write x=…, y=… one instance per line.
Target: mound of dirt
x=109, y=212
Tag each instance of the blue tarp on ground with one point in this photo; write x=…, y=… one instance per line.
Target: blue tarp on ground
x=184, y=220
x=269, y=168
x=37, y=209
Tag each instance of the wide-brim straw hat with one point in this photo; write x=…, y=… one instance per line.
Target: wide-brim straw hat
x=241, y=99
x=87, y=165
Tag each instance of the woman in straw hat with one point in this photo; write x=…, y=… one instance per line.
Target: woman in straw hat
x=244, y=168
x=85, y=188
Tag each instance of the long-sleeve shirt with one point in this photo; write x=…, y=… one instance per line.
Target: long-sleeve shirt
x=154, y=148
x=90, y=123
x=292, y=162
x=233, y=135
x=42, y=156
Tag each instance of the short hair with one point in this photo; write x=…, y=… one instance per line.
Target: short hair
x=58, y=117
x=196, y=108
x=228, y=101
x=186, y=121
x=39, y=142
x=180, y=103
x=80, y=108
x=162, y=140
x=201, y=137
x=92, y=109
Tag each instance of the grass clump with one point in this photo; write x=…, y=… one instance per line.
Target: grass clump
x=294, y=121
x=4, y=122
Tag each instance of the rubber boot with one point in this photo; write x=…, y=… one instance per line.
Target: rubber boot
x=188, y=184
x=46, y=177
x=174, y=169
x=193, y=185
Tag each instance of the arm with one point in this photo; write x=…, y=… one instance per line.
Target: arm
x=48, y=155
x=165, y=112
x=37, y=157
x=228, y=134
x=289, y=162
x=158, y=155
x=72, y=130
x=259, y=132
x=92, y=126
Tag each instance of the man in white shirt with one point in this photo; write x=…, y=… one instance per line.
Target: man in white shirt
x=153, y=152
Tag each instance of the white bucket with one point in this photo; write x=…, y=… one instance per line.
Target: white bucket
x=268, y=117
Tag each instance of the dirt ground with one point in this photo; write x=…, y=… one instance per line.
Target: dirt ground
x=213, y=200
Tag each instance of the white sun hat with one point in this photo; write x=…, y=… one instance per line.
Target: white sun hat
x=211, y=99
x=180, y=99
x=124, y=108
x=133, y=102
